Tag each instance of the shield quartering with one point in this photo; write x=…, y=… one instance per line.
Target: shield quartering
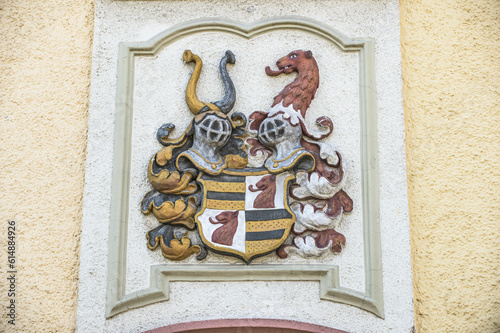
x=245, y=212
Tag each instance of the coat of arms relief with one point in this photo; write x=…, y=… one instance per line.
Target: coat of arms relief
x=248, y=187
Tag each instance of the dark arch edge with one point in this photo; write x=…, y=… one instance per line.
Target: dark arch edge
x=246, y=326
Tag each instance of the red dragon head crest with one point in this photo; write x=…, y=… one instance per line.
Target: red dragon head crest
x=297, y=94
x=301, y=91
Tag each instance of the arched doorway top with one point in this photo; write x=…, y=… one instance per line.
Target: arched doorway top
x=245, y=326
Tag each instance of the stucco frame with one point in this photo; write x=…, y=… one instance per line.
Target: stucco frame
x=161, y=275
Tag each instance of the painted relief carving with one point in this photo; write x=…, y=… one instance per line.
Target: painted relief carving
x=247, y=192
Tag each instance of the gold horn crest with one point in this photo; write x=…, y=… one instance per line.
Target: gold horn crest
x=192, y=100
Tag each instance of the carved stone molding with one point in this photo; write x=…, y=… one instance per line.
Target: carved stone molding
x=246, y=325
x=161, y=275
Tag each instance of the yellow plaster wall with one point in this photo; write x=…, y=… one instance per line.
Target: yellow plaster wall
x=451, y=73
x=45, y=60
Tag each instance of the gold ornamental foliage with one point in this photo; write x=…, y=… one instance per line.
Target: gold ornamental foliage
x=178, y=249
x=236, y=161
x=171, y=182
x=179, y=212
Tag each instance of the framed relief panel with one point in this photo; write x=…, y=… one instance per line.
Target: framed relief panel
x=246, y=162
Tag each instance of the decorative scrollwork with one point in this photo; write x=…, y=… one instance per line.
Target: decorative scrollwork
x=285, y=195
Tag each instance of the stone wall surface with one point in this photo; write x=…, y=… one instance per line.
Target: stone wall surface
x=158, y=97
x=451, y=74
x=45, y=54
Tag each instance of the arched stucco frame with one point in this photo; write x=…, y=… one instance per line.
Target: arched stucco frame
x=161, y=275
x=245, y=326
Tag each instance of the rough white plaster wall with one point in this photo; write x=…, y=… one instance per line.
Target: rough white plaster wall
x=138, y=21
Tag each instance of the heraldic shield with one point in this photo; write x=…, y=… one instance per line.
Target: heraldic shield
x=245, y=213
